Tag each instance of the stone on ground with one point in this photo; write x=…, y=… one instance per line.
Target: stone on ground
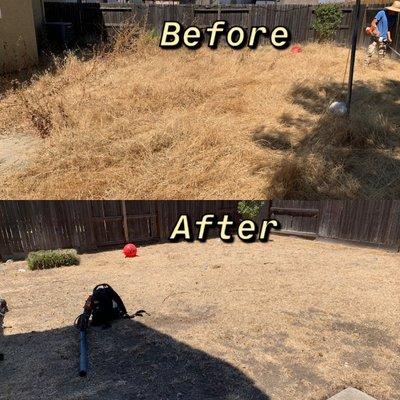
x=351, y=394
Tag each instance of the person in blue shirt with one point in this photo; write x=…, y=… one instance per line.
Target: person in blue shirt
x=380, y=33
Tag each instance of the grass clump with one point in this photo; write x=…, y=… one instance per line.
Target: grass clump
x=46, y=259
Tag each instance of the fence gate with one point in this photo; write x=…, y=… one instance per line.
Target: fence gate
x=118, y=222
x=296, y=217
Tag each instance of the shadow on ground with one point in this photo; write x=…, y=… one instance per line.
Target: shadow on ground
x=129, y=360
x=336, y=156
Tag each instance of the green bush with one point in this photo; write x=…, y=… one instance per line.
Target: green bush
x=250, y=208
x=46, y=259
x=328, y=20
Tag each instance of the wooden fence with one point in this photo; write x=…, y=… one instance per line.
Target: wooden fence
x=91, y=225
x=97, y=18
x=369, y=222
x=95, y=225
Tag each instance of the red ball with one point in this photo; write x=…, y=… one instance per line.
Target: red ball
x=130, y=250
x=296, y=49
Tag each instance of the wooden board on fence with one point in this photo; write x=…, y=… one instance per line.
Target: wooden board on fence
x=296, y=216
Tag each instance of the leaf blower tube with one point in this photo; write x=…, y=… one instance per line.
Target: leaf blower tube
x=82, y=323
x=83, y=354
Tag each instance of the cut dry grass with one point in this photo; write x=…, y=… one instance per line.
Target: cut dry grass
x=141, y=122
x=292, y=319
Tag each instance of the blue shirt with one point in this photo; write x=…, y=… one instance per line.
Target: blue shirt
x=385, y=22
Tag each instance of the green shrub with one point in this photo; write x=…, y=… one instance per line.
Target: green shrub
x=250, y=208
x=46, y=259
x=328, y=20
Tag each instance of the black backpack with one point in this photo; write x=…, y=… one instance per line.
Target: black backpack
x=107, y=306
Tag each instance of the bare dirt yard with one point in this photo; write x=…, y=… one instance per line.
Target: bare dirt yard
x=140, y=122
x=288, y=319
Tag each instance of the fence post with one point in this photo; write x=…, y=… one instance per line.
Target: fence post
x=4, y=248
x=125, y=221
x=269, y=203
x=396, y=43
x=89, y=230
x=80, y=24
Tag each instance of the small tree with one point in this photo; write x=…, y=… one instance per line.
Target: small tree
x=250, y=208
x=328, y=20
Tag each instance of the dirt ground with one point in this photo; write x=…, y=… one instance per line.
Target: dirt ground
x=287, y=319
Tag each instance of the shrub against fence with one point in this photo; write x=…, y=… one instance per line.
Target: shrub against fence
x=95, y=18
x=328, y=20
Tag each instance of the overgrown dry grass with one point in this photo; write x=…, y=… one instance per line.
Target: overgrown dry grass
x=141, y=122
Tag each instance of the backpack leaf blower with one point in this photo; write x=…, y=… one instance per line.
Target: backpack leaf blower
x=103, y=306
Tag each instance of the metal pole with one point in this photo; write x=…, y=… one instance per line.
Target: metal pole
x=125, y=221
x=353, y=55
